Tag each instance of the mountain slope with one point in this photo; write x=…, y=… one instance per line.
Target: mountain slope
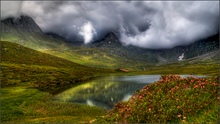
x=26, y=32
x=192, y=50
x=160, y=55
x=14, y=31
x=25, y=73
x=106, y=53
x=23, y=24
x=15, y=53
x=24, y=66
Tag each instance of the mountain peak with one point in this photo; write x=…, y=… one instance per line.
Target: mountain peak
x=111, y=37
x=110, y=40
x=23, y=23
x=111, y=34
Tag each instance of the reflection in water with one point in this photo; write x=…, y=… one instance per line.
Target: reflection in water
x=105, y=92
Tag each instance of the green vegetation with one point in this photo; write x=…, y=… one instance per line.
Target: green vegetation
x=171, y=99
x=92, y=57
x=35, y=66
x=24, y=70
x=29, y=78
x=22, y=66
x=25, y=105
x=33, y=40
x=97, y=58
x=207, y=67
x=104, y=58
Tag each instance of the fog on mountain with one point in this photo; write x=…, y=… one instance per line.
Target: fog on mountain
x=145, y=24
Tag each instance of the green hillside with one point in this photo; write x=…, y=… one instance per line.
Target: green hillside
x=25, y=73
x=95, y=57
x=32, y=37
x=92, y=57
x=107, y=53
x=196, y=67
x=22, y=66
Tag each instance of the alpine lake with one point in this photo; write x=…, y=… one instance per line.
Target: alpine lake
x=105, y=92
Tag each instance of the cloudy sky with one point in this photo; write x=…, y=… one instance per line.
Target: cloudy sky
x=144, y=24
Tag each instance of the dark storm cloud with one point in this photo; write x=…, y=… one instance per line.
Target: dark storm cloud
x=145, y=24
x=67, y=18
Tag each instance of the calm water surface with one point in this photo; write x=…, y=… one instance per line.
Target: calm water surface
x=105, y=92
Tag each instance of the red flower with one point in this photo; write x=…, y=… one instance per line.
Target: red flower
x=196, y=86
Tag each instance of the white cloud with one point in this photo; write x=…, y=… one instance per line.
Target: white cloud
x=149, y=24
x=10, y=9
x=87, y=31
x=174, y=24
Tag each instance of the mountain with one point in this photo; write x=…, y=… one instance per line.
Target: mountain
x=108, y=52
x=23, y=24
x=26, y=32
x=112, y=45
x=111, y=40
x=192, y=50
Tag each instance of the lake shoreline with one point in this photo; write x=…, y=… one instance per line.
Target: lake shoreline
x=106, y=91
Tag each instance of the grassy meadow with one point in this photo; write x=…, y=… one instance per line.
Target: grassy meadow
x=29, y=79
